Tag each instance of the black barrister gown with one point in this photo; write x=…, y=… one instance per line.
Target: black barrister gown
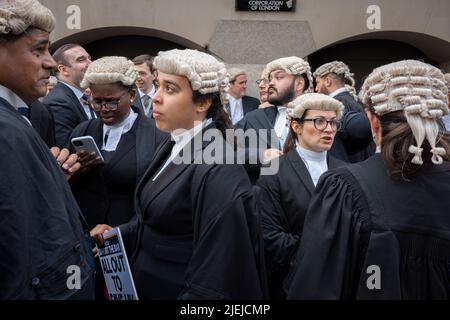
x=359, y=219
x=106, y=193
x=42, y=230
x=198, y=231
x=283, y=200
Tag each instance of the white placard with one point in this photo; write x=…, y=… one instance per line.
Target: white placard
x=115, y=267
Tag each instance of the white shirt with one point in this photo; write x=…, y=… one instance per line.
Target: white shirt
x=315, y=162
x=150, y=94
x=79, y=94
x=236, y=108
x=13, y=100
x=182, y=138
x=116, y=131
x=281, y=128
x=338, y=91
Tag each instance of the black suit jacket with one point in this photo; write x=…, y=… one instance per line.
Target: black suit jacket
x=105, y=194
x=41, y=226
x=260, y=119
x=283, y=201
x=192, y=214
x=43, y=122
x=248, y=104
x=67, y=111
x=354, y=141
x=349, y=102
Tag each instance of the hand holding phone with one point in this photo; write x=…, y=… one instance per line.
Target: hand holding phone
x=87, y=150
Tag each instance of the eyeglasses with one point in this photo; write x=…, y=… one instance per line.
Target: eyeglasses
x=109, y=105
x=261, y=80
x=322, y=123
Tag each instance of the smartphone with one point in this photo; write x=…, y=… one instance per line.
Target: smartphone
x=87, y=143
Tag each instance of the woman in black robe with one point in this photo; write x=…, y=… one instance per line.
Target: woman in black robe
x=283, y=198
x=380, y=229
x=197, y=228
x=126, y=138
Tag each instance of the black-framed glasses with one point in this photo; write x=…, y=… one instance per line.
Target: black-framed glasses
x=322, y=123
x=261, y=80
x=109, y=105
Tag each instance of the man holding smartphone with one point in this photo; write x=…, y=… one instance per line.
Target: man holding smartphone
x=42, y=230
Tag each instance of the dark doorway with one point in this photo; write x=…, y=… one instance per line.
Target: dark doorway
x=129, y=46
x=125, y=41
x=362, y=56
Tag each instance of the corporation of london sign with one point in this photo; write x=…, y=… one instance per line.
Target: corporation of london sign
x=266, y=5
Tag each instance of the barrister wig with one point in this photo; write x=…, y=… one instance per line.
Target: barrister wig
x=291, y=65
x=16, y=16
x=447, y=80
x=340, y=69
x=205, y=73
x=234, y=73
x=313, y=101
x=419, y=90
x=110, y=70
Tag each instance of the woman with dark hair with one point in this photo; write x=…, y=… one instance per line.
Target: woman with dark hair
x=198, y=231
x=283, y=198
x=127, y=140
x=380, y=229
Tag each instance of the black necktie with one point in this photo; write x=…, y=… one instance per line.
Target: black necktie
x=24, y=112
x=85, y=101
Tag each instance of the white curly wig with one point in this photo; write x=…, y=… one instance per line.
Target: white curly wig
x=292, y=65
x=419, y=90
x=205, y=73
x=110, y=70
x=235, y=72
x=16, y=16
x=341, y=69
x=447, y=80
x=313, y=101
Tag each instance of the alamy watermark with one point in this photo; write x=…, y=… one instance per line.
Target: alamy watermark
x=74, y=279
x=238, y=147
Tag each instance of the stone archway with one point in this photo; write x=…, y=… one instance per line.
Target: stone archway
x=365, y=52
x=126, y=41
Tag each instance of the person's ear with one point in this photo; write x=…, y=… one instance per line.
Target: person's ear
x=61, y=69
x=299, y=85
x=203, y=106
x=375, y=126
x=132, y=95
x=328, y=82
x=296, y=127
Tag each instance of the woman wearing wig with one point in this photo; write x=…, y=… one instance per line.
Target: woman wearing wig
x=380, y=229
x=284, y=197
x=126, y=138
x=198, y=232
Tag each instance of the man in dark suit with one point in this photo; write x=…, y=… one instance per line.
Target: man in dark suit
x=67, y=101
x=239, y=104
x=43, y=122
x=354, y=141
x=288, y=78
x=144, y=82
x=42, y=235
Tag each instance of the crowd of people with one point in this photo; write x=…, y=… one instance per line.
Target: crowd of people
x=360, y=181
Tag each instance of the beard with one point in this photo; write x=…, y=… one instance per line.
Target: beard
x=283, y=97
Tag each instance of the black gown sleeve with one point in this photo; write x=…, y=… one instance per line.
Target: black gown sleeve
x=227, y=260
x=279, y=242
x=327, y=264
